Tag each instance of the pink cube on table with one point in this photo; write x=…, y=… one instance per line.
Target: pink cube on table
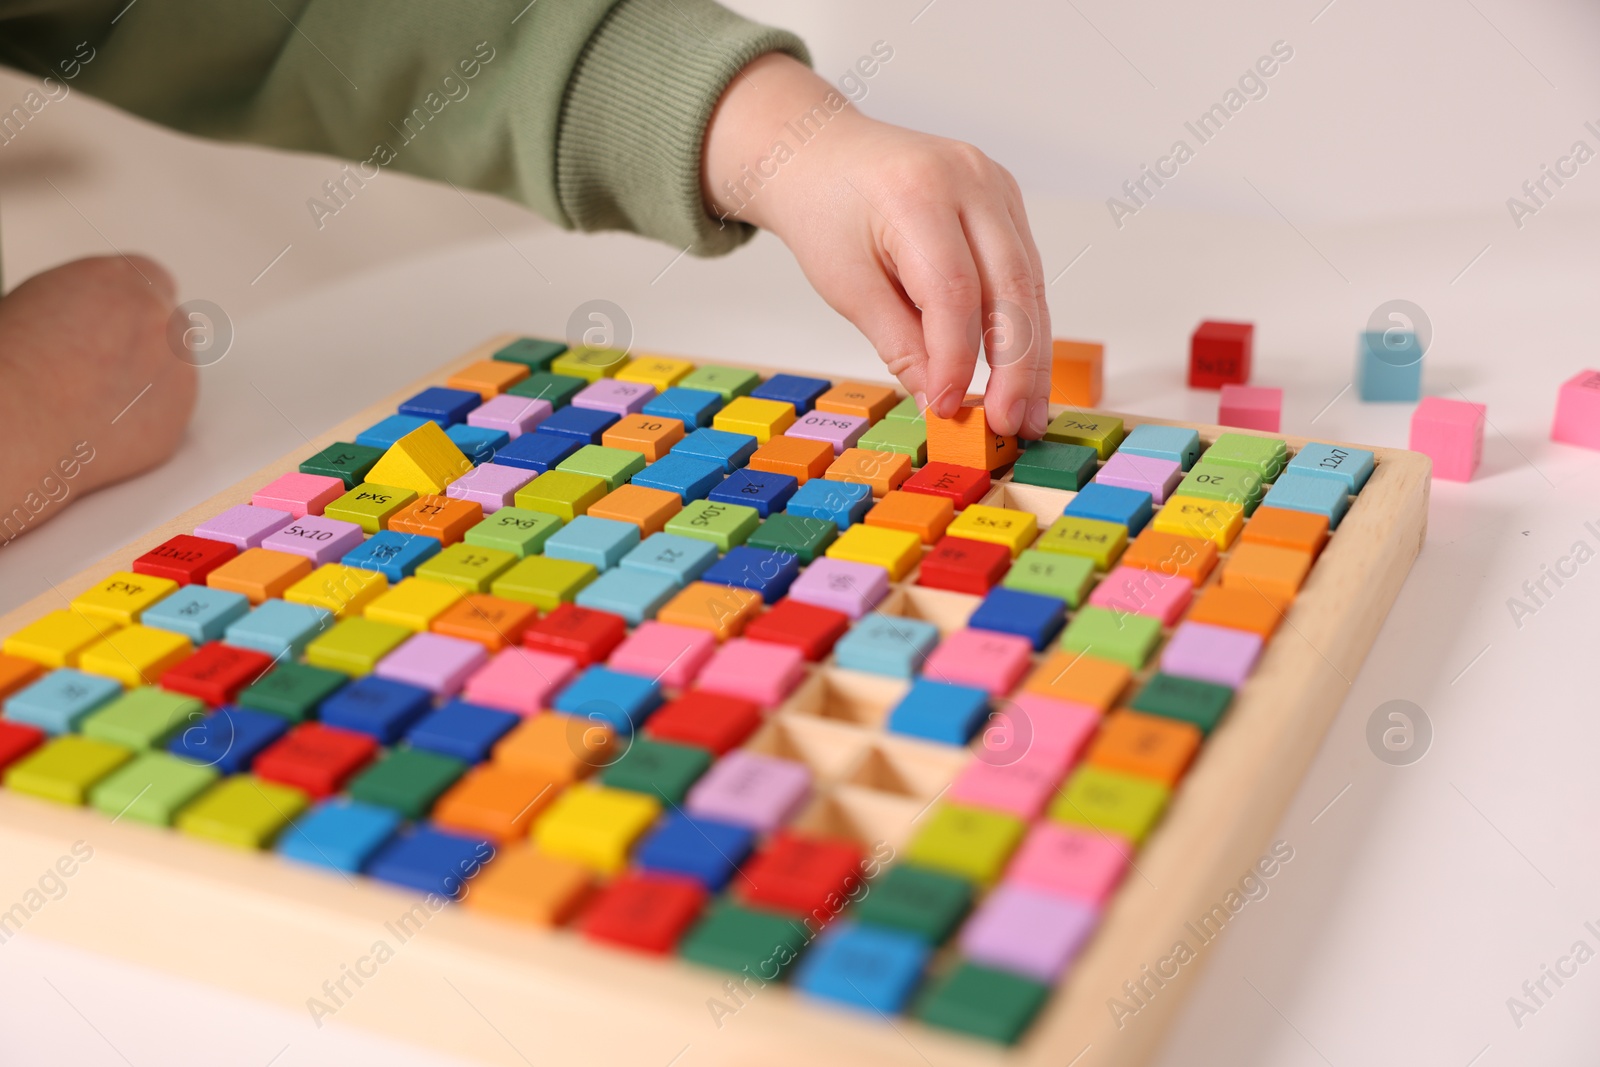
x=842, y=585
x=299, y=494
x=1028, y=722
x=840, y=431
x=755, y=670
x=1135, y=591
x=1147, y=474
x=1021, y=788
x=515, y=415
x=493, y=485
x=619, y=398
x=317, y=538
x=519, y=679
x=993, y=662
x=1449, y=432
x=752, y=790
x=1578, y=410
x=1080, y=864
x=1251, y=407
x=1211, y=653
x=434, y=662
x=1018, y=928
x=672, y=655
x=244, y=525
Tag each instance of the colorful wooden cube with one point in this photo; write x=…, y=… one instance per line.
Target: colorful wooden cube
x=1450, y=432
x=1250, y=407
x=1076, y=368
x=1219, y=354
x=1577, y=411
x=1389, y=366
x=965, y=440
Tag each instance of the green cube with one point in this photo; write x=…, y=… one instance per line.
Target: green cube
x=151, y=788
x=369, y=506
x=515, y=530
x=921, y=902
x=467, y=567
x=242, y=811
x=994, y=1005
x=744, y=941
x=724, y=525
x=65, y=768
x=564, y=494
x=906, y=411
x=590, y=362
x=615, y=465
x=1103, y=433
x=726, y=382
x=1267, y=456
x=905, y=437
x=143, y=718
x=1121, y=636
x=1117, y=803
x=543, y=385
x=354, y=646
x=659, y=768
x=544, y=582
x=407, y=780
x=1220, y=481
x=1095, y=539
x=968, y=842
x=1056, y=465
x=803, y=535
x=1054, y=574
x=1185, y=699
x=531, y=352
x=292, y=690
x=345, y=461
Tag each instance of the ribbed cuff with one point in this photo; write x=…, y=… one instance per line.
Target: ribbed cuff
x=628, y=151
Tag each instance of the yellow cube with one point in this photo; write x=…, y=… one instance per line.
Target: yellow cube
x=423, y=461
x=1094, y=539
x=369, y=505
x=595, y=826
x=137, y=655
x=337, y=588
x=1189, y=516
x=59, y=638
x=590, y=363
x=564, y=494
x=354, y=646
x=999, y=526
x=659, y=371
x=243, y=811
x=414, y=603
x=122, y=596
x=761, y=419
x=470, y=568
x=896, y=551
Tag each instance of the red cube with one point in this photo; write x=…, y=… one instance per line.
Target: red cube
x=584, y=634
x=802, y=875
x=316, y=758
x=17, y=740
x=648, y=912
x=216, y=672
x=1219, y=354
x=714, y=721
x=964, y=565
x=811, y=629
x=962, y=486
x=185, y=559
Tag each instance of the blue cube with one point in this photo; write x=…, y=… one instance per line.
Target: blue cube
x=1351, y=466
x=767, y=571
x=683, y=559
x=703, y=849
x=583, y=425
x=870, y=967
x=1163, y=442
x=60, y=700
x=602, y=542
x=1389, y=366
x=886, y=644
x=465, y=731
x=621, y=701
x=794, y=389
x=841, y=503
x=1011, y=611
x=732, y=450
x=279, y=628
x=635, y=595
x=691, y=477
x=940, y=711
x=537, y=451
x=379, y=707
x=229, y=739
x=1315, y=493
x=342, y=834
x=478, y=443
x=386, y=432
x=431, y=861
x=692, y=407
x=393, y=555
x=1112, y=503
x=444, y=406
x=198, y=612
x=762, y=490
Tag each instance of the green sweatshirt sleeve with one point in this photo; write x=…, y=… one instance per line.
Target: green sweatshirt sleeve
x=590, y=112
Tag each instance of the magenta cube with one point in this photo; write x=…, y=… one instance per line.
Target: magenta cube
x=299, y=494
x=1578, y=410
x=1449, y=432
x=843, y=585
x=515, y=415
x=840, y=431
x=1018, y=928
x=619, y=398
x=1147, y=474
x=493, y=485
x=749, y=789
x=1250, y=407
x=317, y=538
x=1211, y=653
x=244, y=525
x=434, y=662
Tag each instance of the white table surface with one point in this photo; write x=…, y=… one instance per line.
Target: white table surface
x=1419, y=898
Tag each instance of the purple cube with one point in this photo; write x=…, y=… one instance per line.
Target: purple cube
x=1027, y=931
x=1211, y=653
x=317, y=538
x=619, y=398
x=244, y=525
x=514, y=415
x=493, y=485
x=748, y=789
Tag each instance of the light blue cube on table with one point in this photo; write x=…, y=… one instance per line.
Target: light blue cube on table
x=60, y=700
x=636, y=595
x=198, y=612
x=1389, y=366
x=886, y=644
x=1352, y=466
x=279, y=628
x=682, y=559
x=602, y=542
x=1316, y=493
x=1163, y=442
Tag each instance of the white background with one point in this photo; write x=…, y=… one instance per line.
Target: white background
x=1377, y=167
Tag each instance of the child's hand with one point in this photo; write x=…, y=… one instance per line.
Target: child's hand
x=923, y=243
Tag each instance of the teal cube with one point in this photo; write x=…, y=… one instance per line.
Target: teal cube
x=1389, y=367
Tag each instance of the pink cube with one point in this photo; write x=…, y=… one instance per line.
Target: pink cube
x=520, y=680
x=1081, y=864
x=1029, y=722
x=755, y=670
x=1135, y=591
x=437, y=663
x=1021, y=788
x=1251, y=407
x=672, y=655
x=299, y=494
x=983, y=659
x=1449, y=432
x=1578, y=411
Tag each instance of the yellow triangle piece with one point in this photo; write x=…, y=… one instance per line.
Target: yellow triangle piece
x=424, y=461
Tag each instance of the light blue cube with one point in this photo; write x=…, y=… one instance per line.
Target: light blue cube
x=279, y=628
x=636, y=595
x=886, y=644
x=1389, y=366
x=60, y=700
x=1315, y=493
x=725, y=447
x=841, y=503
x=1351, y=466
x=197, y=612
x=342, y=834
x=682, y=559
x=602, y=542
x=1163, y=442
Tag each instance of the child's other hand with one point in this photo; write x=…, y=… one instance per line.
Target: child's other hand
x=922, y=242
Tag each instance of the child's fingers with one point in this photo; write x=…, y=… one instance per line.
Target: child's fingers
x=1039, y=410
x=935, y=265
x=876, y=307
x=1012, y=295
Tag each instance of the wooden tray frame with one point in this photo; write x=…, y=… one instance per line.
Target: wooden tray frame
x=473, y=986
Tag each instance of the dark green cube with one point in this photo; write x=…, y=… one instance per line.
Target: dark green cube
x=802, y=535
x=542, y=385
x=292, y=690
x=659, y=768
x=344, y=460
x=918, y=901
x=1057, y=465
x=408, y=780
x=531, y=352
x=983, y=1002
x=1185, y=699
x=744, y=940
